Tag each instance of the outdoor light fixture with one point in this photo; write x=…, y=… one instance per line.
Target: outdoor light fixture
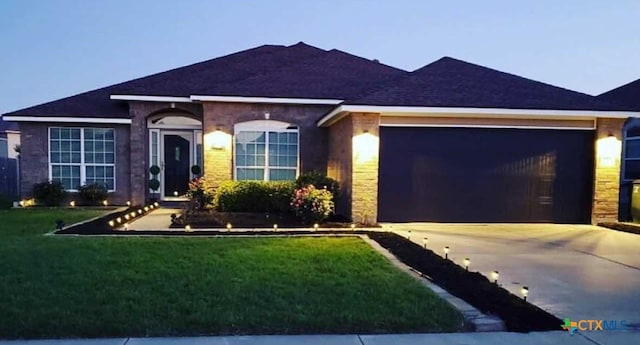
x=229, y=226
x=466, y=263
x=218, y=140
x=22, y=203
x=409, y=234
x=139, y=211
x=119, y=220
x=608, y=150
x=128, y=203
x=105, y=202
x=446, y=252
x=126, y=226
x=175, y=193
x=495, y=275
x=156, y=204
x=126, y=216
x=353, y=226
x=275, y=227
x=72, y=203
x=146, y=208
x=425, y=241
x=112, y=223
x=525, y=292
x=316, y=226
x=133, y=214
x=151, y=207
x=187, y=228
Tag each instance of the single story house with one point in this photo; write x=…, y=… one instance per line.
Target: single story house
x=628, y=94
x=449, y=142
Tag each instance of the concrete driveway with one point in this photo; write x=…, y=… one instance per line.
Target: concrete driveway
x=574, y=271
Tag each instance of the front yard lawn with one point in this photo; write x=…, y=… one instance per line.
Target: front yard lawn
x=53, y=286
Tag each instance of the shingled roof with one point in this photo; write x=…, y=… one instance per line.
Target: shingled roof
x=304, y=71
x=628, y=94
x=449, y=82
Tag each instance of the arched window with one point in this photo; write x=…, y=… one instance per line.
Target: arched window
x=266, y=150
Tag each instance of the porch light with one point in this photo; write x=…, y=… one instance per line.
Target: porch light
x=112, y=223
x=466, y=263
x=608, y=151
x=217, y=140
x=128, y=203
x=316, y=226
x=495, y=275
x=275, y=227
x=525, y=292
x=72, y=203
x=229, y=226
x=425, y=241
x=105, y=202
x=365, y=147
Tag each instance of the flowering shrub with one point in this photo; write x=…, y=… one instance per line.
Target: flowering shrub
x=199, y=197
x=312, y=204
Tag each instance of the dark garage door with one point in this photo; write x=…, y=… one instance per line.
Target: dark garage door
x=485, y=175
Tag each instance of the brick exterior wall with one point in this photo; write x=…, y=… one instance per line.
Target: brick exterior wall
x=218, y=164
x=364, y=188
x=339, y=162
x=358, y=175
x=606, y=186
x=34, y=157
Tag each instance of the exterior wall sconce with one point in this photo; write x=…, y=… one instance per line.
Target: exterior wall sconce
x=365, y=147
x=217, y=140
x=608, y=151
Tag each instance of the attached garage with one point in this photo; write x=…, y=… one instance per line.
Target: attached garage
x=447, y=174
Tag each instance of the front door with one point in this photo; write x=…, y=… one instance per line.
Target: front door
x=177, y=162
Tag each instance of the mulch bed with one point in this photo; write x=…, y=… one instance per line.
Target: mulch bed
x=244, y=220
x=473, y=287
x=624, y=227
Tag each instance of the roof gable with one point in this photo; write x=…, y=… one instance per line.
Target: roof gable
x=449, y=82
x=628, y=94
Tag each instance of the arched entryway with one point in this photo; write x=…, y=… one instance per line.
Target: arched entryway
x=175, y=148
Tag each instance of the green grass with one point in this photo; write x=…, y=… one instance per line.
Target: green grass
x=53, y=286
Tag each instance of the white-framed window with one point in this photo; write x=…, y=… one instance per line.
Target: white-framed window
x=4, y=148
x=80, y=156
x=266, y=151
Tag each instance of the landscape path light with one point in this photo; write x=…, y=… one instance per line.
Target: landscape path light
x=466, y=262
x=495, y=275
x=525, y=292
x=229, y=226
x=446, y=252
x=425, y=241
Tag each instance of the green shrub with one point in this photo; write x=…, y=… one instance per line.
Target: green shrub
x=320, y=181
x=49, y=193
x=311, y=204
x=93, y=194
x=253, y=196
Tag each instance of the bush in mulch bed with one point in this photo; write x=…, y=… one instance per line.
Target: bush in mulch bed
x=473, y=287
x=625, y=227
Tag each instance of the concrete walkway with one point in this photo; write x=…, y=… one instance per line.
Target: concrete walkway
x=572, y=271
x=159, y=219
x=494, y=338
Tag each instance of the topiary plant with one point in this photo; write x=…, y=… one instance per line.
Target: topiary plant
x=154, y=184
x=154, y=170
x=196, y=170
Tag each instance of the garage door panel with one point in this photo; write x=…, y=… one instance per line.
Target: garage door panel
x=485, y=175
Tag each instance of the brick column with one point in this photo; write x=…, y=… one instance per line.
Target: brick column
x=365, y=157
x=217, y=149
x=138, y=168
x=606, y=187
